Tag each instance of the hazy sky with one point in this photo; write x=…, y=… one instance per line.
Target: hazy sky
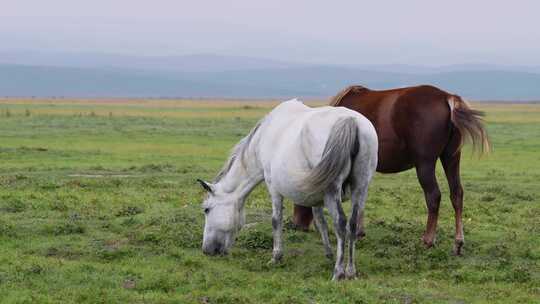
x=409, y=32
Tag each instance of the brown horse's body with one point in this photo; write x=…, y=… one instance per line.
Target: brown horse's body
x=416, y=126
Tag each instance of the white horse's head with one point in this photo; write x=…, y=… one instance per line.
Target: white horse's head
x=224, y=217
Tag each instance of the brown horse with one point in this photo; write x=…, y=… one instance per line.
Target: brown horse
x=416, y=126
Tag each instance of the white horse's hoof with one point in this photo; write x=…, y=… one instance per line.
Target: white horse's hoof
x=351, y=275
x=275, y=260
x=339, y=276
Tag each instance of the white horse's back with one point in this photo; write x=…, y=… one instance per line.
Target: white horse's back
x=292, y=142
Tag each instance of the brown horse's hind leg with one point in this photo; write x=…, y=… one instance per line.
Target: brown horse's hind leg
x=450, y=162
x=425, y=171
x=302, y=217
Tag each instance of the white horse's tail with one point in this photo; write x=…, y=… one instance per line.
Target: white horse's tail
x=341, y=147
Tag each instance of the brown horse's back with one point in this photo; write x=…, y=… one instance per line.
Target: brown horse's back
x=412, y=123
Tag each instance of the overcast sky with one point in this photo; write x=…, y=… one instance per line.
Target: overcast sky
x=359, y=32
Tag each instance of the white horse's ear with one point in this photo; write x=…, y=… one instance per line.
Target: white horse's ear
x=207, y=186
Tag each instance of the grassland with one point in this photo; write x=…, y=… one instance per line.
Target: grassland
x=98, y=204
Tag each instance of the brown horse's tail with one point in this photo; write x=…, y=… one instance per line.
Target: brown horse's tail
x=469, y=123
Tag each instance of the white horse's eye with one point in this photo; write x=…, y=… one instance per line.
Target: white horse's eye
x=206, y=210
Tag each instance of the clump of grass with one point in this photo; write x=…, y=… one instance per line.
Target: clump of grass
x=158, y=282
x=156, y=168
x=166, y=230
x=129, y=210
x=27, y=113
x=112, y=250
x=66, y=227
x=35, y=269
x=116, y=182
x=58, y=205
x=7, y=229
x=75, y=183
x=527, y=197
x=98, y=168
x=152, y=237
x=293, y=236
x=487, y=198
x=21, y=177
x=255, y=239
x=130, y=221
x=501, y=255
x=13, y=205
x=519, y=274
x=63, y=251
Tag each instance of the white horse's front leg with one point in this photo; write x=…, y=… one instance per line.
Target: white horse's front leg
x=277, y=227
x=332, y=201
x=320, y=222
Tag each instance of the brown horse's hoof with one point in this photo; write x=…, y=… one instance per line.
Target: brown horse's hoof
x=428, y=242
x=458, y=247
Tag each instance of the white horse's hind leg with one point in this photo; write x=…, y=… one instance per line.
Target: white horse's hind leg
x=360, y=230
x=277, y=227
x=358, y=199
x=320, y=222
x=332, y=201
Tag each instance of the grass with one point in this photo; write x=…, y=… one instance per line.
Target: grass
x=99, y=204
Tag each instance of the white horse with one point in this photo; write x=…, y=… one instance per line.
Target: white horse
x=309, y=155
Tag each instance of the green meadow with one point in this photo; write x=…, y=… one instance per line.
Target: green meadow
x=99, y=204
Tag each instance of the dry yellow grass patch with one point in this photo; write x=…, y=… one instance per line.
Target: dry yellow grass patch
x=217, y=108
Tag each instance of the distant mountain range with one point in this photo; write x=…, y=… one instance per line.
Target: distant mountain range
x=97, y=75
